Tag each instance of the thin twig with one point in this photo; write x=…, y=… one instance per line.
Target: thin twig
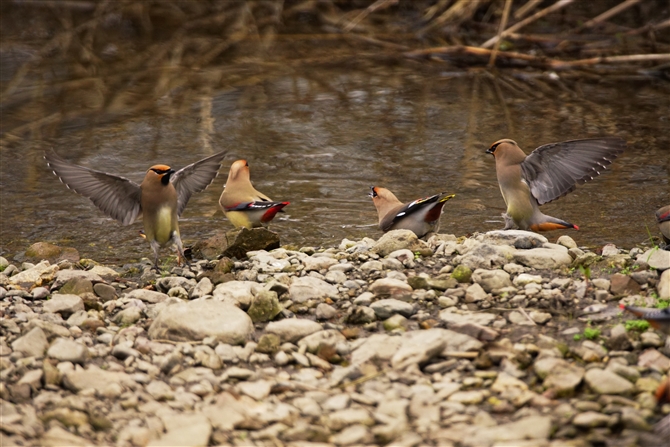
x=503, y=24
x=538, y=15
x=609, y=13
x=378, y=5
x=525, y=9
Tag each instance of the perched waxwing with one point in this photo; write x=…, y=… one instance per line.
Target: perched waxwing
x=160, y=198
x=420, y=216
x=549, y=172
x=242, y=204
x=658, y=319
x=663, y=219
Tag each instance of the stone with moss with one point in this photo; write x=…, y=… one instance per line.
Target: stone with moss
x=264, y=307
x=268, y=344
x=462, y=274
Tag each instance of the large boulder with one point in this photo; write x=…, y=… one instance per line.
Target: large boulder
x=53, y=253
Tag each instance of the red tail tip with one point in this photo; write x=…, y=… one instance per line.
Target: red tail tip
x=622, y=306
x=575, y=227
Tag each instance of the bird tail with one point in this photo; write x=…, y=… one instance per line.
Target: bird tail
x=551, y=223
x=436, y=210
x=270, y=213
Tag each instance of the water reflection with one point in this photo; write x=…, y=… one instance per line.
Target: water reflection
x=320, y=136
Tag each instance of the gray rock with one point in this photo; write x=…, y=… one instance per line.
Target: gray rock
x=104, y=291
x=475, y=293
x=64, y=276
x=544, y=258
x=94, y=378
x=40, y=293
x=386, y=308
x=32, y=344
x=40, y=274
x=524, y=278
x=536, y=428
x=517, y=238
x=376, y=347
x=559, y=375
x=330, y=337
x=420, y=346
x=325, y=311
x=292, y=329
x=482, y=318
x=566, y=241
x=591, y=419
x=57, y=437
x=170, y=282
x=390, y=287
x=65, y=305
x=618, y=339
x=361, y=315
x=336, y=277
x=148, y=296
x=237, y=293
x=203, y=288
x=656, y=258
x=664, y=285
x=603, y=381
x=184, y=429
x=312, y=263
x=128, y=316
x=310, y=288
x=65, y=350
x=197, y=320
x=399, y=240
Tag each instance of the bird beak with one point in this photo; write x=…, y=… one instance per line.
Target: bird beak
x=489, y=151
x=372, y=193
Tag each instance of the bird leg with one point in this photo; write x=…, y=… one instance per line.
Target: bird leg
x=180, y=249
x=509, y=222
x=155, y=246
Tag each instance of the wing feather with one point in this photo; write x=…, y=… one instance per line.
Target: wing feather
x=195, y=178
x=115, y=196
x=553, y=170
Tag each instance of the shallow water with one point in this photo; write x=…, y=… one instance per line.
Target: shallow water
x=319, y=136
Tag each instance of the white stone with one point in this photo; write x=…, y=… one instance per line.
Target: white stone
x=310, y=288
x=292, y=329
x=196, y=320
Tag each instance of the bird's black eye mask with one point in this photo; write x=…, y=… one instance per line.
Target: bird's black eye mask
x=492, y=149
x=373, y=193
x=164, y=173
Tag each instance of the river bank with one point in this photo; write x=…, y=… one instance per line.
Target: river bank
x=503, y=338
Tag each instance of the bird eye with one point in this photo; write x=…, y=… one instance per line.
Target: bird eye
x=494, y=147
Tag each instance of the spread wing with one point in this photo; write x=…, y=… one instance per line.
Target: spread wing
x=554, y=170
x=116, y=196
x=407, y=210
x=195, y=178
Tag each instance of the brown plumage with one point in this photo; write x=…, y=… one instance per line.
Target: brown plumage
x=420, y=216
x=243, y=205
x=549, y=172
x=161, y=197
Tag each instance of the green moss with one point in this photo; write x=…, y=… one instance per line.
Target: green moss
x=591, y=333
x=637, y=325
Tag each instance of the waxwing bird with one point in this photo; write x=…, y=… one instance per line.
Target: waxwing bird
x=242, y=204
x=549, y=172
x=420, y=216
x=160, y=198
x=663, y=219
x=658, y=319
x=662, y=427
